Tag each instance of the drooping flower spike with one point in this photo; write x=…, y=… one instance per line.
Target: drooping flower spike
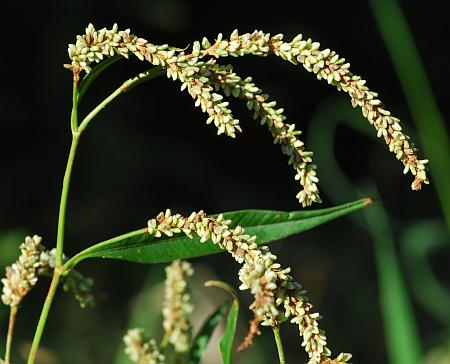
x=277, y=297
x=189, y=69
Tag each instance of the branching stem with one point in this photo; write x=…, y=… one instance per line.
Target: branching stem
x=76, y=134
x=126, y=86
x=61, y=229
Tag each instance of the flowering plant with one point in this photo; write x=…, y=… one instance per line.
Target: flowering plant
x=169, y=237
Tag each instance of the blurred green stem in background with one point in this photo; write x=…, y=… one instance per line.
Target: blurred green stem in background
x=402, y=338
x=418, y=242
x=416, y=87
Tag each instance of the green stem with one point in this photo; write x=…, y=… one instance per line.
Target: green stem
x=63, y=203
x=9, y=338
x=402, y=334
x=61, y=228
x=43, y=317
x=74, y=115
x=126, y=86
x=276, y=334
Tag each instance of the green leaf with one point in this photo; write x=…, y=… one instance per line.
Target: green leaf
x=202, y=339
x=226, y=343
x=138, y=246
x=91, y=76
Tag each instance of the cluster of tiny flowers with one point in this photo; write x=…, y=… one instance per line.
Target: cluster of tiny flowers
x=198, y=224
x=210, y=102
x=74, y=282
x=328, y=65
x=22, y=275
x=94, y=45
x=177, y=306
x=284, y=134
x=36, y=261
x=277, y=296
x=189, y=69
x=141, y=350
x=81, y=287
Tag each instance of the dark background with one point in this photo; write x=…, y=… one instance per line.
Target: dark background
x=151, y=149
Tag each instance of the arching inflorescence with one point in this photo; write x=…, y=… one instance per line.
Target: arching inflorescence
x=203, y=78
x=277, y=297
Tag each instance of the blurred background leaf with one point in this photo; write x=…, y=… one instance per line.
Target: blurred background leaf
x=203, y=337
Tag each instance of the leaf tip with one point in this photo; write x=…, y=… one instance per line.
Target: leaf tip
x=224, y=286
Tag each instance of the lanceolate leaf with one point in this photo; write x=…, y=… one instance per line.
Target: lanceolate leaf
x=138, y=246
x=202, y=339
x=226, y=342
